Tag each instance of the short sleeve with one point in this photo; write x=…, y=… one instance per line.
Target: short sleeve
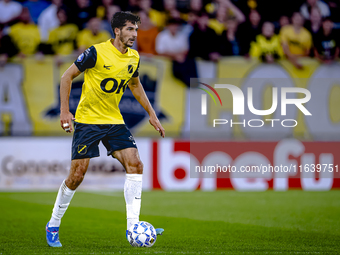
x=87, y=59
x=136, y=73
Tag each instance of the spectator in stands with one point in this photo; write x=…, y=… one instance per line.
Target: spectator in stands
x=192, y=18
x=130, y=5
x=218, y=23
x=48, y=19
x=283, y=21
x=106, y=23
x=171, y=11
x=310, y=4
x=102, y=9
x=91, y=35
x=326, y=43
x=25, y=34
x=233, y=11
x=196, y=5
x=174, y=44
x=62, y=39
x=147, y=34
x=207, y=39
x=249, y=30
x=253, y=26
x=225, y=9
x=296, y=40
x=156, y=17
x=267, y=46
x=9, y=11
x=255, y=23
x=230, y=42
x=82, y=12
x=314, y=24
x=35, y=8
x=7, y=47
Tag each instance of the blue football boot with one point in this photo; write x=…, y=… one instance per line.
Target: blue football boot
x=159, y=231
x=52, y=236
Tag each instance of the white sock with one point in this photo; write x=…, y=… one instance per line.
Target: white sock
x=63, y=200
x=133, y=197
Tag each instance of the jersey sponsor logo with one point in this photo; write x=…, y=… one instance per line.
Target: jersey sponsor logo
x=130, y=68
x=107, y=67
x=82, y=149
x=115, y=86
x=81, y=57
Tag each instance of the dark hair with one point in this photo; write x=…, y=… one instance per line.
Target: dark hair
x=120, y=19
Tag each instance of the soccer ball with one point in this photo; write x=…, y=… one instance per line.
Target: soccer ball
x=141, y=234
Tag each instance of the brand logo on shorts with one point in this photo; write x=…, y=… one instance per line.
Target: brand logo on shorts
x=82, y=149
x=132, y=140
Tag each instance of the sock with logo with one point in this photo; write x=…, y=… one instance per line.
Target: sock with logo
x=62, y=202
x=133, y=197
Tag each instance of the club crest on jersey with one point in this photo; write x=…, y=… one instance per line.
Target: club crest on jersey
x=81, y=57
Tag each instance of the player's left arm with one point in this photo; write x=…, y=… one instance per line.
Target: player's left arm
x=139, y=93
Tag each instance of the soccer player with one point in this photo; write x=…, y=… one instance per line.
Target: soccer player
x=109, y=67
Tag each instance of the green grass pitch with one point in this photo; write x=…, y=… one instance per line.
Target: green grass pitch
x=221, y=222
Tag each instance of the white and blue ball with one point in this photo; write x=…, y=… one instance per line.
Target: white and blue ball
x=142, y=234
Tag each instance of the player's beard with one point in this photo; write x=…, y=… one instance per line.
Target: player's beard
x=127, y=41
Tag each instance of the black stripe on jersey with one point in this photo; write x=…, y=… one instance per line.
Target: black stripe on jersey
x=136, y=73
x=87, y=59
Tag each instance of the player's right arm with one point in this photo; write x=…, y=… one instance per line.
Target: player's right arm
x=65, y=89
x=85, y=60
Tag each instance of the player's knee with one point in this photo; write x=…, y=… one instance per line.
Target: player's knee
x=136, y=167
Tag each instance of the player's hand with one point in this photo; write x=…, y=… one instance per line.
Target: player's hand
x=157, y=125
x=66, y=121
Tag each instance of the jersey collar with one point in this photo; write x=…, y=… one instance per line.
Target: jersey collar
x=110, y=41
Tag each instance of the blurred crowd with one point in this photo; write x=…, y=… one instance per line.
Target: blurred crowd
x=182, y=30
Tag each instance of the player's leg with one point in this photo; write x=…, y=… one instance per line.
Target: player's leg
x=67, y=189
x=129, y=158
x=120, y=144
x=85, y=142
x=133, y=184
x=65, y=194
